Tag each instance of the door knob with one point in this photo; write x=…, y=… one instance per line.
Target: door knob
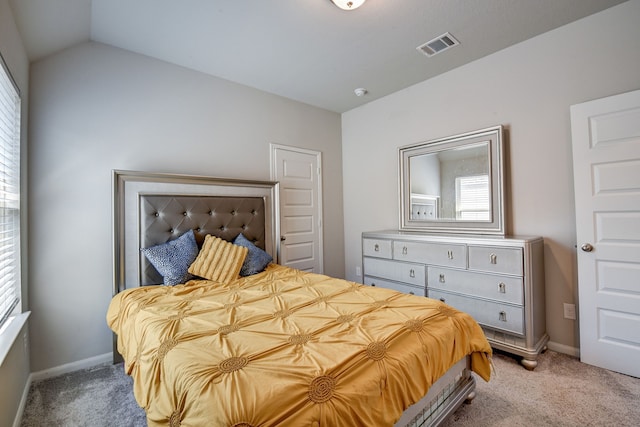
x=587, y=247
x=283, y=238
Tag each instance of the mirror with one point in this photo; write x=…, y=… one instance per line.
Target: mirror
x=454, y=184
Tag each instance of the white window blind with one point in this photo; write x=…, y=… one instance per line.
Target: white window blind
x=472, y=198
x=9, y=194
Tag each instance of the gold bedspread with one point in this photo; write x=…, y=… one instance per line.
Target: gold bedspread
x=286, y=348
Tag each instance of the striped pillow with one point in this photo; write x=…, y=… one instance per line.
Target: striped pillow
x=218, y=260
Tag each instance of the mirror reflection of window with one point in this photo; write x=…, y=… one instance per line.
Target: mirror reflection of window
x=472, y=198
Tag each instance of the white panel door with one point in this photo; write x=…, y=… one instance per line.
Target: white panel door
x=606, y=165
x=300, y=177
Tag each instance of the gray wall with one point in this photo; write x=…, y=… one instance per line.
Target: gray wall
x=528, y=88
x=95, y=108
x=14, y=371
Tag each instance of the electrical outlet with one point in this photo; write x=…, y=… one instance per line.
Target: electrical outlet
x=569, y=311
x=358, y=272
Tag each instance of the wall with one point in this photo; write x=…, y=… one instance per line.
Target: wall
x=95, y=108
x=14, y=371
x=425, y=175
x=528, y=88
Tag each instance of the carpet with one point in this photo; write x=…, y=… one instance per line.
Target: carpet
x=97, y=397
x=561, y=392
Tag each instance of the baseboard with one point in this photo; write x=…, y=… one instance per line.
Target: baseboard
x=564, y=349
x=23, y=402
x=101, y=359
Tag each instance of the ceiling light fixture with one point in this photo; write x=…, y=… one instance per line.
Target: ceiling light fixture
x=348, y=4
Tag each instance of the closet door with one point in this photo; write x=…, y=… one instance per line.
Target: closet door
x=299, y=172
x=606, y=164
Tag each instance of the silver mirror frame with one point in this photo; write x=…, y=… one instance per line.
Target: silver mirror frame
x=496, y=225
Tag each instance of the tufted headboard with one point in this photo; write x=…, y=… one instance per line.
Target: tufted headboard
x=166, y=217
x=153, y=208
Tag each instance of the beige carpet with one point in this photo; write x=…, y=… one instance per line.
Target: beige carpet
x=561, y=391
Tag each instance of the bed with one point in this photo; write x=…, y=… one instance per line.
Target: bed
x=241, y=343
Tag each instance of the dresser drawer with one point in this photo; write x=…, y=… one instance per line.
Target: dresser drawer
x=495, y=315
x=496, y=259
x=400, y=287
x=502, y=288
x=414, y=274
x=377, y=248
x=449, y=255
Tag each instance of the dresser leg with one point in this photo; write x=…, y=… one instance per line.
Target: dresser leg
x=529, y=364
x=470, y=397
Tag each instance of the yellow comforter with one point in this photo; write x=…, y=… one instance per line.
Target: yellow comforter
x=286, y=348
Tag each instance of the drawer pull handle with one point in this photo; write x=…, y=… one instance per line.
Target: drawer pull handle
x=412, y=273
x=503, y=316
x=404, y=250
x=493, y=258
x=442, y=299
x=450, y=254
x=376, y=248
x=441, y=278
x=411, y=293
x=503, y=288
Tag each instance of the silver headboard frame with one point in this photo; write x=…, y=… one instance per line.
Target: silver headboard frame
x=133, y=190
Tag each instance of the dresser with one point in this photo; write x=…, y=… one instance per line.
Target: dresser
x=497, y=280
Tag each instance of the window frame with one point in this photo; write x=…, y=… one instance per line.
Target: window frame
x=467, y=181
x=10, y=195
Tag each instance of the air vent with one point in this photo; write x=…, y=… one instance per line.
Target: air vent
x=439, y=44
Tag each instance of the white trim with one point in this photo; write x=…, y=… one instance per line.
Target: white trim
x=23, y=402
x=102, y=359
x=10, y=331
x=564, y=349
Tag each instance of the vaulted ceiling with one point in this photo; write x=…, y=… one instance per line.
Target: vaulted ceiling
x=307, y=50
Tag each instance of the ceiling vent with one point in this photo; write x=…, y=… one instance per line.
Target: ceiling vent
x=439, y=44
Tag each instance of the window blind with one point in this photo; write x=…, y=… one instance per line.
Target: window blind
x=472, y=198
x=9, y=194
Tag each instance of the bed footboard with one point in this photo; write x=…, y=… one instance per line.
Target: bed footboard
x=445, y=396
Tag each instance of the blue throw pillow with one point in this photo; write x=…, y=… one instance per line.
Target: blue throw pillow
x=173, y=258
x=256, y=259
